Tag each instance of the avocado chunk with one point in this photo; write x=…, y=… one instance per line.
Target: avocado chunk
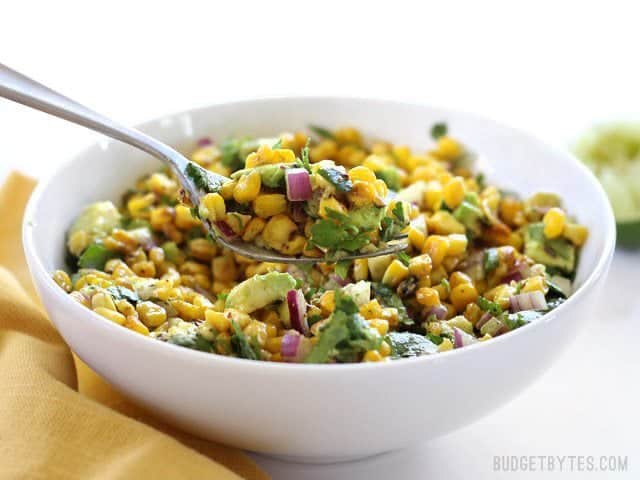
x=556, y=252
x=97, y=220
x=367, y=218
x=260, y=291
x=390, y=176
x=271, y=175
x=470, y=215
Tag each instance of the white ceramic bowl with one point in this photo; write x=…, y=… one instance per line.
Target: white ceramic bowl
x=318, y=413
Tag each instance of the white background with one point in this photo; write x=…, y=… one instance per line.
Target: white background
x=549, y=67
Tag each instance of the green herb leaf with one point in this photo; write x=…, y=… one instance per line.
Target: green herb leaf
x=438, y=130
x=342, y=268
x=338, y=233
x=122, y=293
x=201, y=178
x=322, y=132
x=388, y=298
x=231, y=153
x=277, y=145
x=404, y=258
x=489, y=306
x=337, y=178
x=304, y=157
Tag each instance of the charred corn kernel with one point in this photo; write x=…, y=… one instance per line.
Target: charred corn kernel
x=78, y=242
x=63, y=280
x=186, y=310
x=463, y=294
x=295, y=246
x=150, y=314
x=278, y=230
x=459, y=278
x=253, y=229
x=102, y=300
x=437, y=247
x=237, y=222
x=443, y=289
x=416, y=238
x=257, y=331
x=145, y=269
x=363, y=193
x=446, y=345
x=328, y=302
x=360, y=269
x=420, y=266
x=248, y=187
x=428, y=297
x=444, y=223
x=212, y=207
x=453, y=192
x=362, y=174
x=371, y=310
x=472, y=312
x=381, y=188
x=535, y=284
x=576, y=234
x=273, y=345
x=451, y=310
x=112, y=315
x=224, y=269
x=395, y=273
x=448, y=148
x=500, y=295
x=554, y=221
x=382, y=326
x=270, y=204
x=457, y=244
x=202, y=249
x=372, y=356
x=330, y=203
x=184, y=220
x=384, y=349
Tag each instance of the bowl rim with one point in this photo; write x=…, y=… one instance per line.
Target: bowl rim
x=37, y=268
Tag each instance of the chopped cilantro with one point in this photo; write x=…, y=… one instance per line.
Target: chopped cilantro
x=489, y=306
x=438, y=130
x=122, y=293
x=277, y=145
x=338, y=232
x=201, y=178
x=231, y=150
x=337, y=178
x=404, y=258
x=304, y=161
x=342, y=268
x=437, y=339
x=388, y=298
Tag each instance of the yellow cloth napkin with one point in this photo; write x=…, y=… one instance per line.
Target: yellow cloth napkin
x=59, y=424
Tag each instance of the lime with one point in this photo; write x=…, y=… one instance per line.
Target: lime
x=612, y=152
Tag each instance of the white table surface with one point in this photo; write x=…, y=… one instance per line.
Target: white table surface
x=550, y=67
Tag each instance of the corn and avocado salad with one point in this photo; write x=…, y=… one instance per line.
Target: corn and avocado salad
x=480, y=262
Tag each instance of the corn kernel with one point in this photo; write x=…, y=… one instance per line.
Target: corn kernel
x=253, y=229
x=444, y=223
x=437, y=247
x=576, y=234
x=445, y=346
x=184, y=220
x=278, y=230
x=371, y=309
x=150, y=314
x=212, y=207
x=330, y=203
x=429, y=297
x=420, y=266
x=62, y=279
x=248, y=187
x=360, y=269
x=554, y=221
x=453, y=192
x=395, y=273
x=448, y=148
x=382, y=326
x=328, y=302
x=362, y=174
x=535, y=284
x=463, y=294
x=112, y=315
x=384, y=349
x=416, y=238
x=457, y=244
x=372, y=356
x=270, y=204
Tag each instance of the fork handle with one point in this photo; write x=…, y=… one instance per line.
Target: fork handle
x=21, y=89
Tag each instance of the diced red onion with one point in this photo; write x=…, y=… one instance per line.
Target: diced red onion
x=298, y=310
x=440, y=312
x=294, y=347
x=486, y=316
x=527, y=301
x=298, y=184
x=462, y=338
x=225, y=229
x=339, y=280
x=204, y=141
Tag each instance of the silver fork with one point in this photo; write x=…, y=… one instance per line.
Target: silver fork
x=21, y=89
